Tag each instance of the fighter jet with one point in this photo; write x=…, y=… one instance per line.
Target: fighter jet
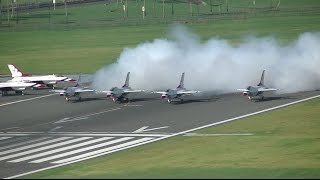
x=176, y=93
x=42, y=81
x=252, y=91
x=18, y=87
x=75, y=91
x=121, y=94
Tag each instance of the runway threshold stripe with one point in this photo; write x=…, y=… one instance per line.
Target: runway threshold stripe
x=3, y=138
x=33, y=145
x=43, y=148
x=102, y=150
x=23, y=143
x=26, y=100
x=61, y=149
x=81, y=150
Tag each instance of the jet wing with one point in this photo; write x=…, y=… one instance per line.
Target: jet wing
x=58, y=91
x=83, y=90
x=267, y=89
x=160, y=92
x=187, y=92
x=107, y=92
x=132, y=91
x=244, y=90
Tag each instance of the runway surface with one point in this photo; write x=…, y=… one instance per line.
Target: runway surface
x=40, y=129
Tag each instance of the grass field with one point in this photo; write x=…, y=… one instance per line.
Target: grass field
x=284, y=144
x=87, y=50
x=53, y=48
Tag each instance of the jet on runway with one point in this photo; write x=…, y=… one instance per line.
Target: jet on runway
x=121, y=94
x=75, y=91
x=252, y=91
x=42, y=81
x=176, y=93
x=18, y=87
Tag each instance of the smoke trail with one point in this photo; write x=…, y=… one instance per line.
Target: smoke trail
x=215, y=65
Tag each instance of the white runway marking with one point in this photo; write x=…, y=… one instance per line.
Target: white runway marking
x=102, y=150
x=234, y=134
x=81, y=150
x=33, y=145
x=2, y=138
x=61, y=149
x=25, y=100
x=72, y=134
x=144, y=128
x=55, y=128
x=43, y=148
x=23, y=143
x=9, y=128
x=84, y=117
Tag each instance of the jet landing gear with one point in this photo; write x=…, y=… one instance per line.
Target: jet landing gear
x=67, y=98
x=4, y=93
x=170, y=100
x=19, y=93
x=119, y=100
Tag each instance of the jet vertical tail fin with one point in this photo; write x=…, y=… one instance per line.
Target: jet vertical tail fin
x=126, y=84
x=79, y=80
x=261, y=83
x=15, y=72
x=181, y=85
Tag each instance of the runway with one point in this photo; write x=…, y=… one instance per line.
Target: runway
x=41, y=130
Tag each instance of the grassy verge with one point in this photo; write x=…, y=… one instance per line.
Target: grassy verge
x=285, y=144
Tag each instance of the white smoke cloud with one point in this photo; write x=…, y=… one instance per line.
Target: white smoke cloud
x=216, y=65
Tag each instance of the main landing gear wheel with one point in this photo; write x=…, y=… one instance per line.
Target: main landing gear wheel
x=169, y=100
x=67, y=99
x=4, y=93
x=19, y=92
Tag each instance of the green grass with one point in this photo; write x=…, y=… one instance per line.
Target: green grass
x=40, y=47
x=89, y=49
x=285, y=144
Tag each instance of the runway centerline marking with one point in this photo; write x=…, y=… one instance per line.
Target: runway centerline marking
x=15, y=102
x=67, y=119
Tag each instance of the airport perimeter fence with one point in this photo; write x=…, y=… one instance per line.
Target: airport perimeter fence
x=10, y=19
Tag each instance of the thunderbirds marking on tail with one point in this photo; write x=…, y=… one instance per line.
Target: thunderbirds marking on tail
x=252, y=91
x=176, y=93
